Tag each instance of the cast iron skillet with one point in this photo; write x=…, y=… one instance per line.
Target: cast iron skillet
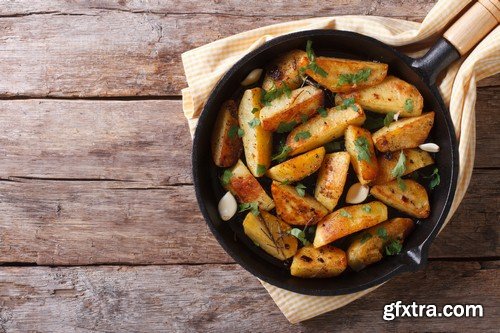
x=420, y=72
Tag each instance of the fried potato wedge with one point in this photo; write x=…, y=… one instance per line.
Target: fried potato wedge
x=403, y=134
x=331, y=179
x=294, y=209
x=327, y=261
x=410, y=198
x=226, y=144
x=391, y=95
x=257, y=142
x=349, y=220
x=344, y=75
x=415, y=159
x=359, y=145
x=298, y=167
x=270, y=234
x=243, y=185
x=369, y=246
x=285, y=70
x=324, y=129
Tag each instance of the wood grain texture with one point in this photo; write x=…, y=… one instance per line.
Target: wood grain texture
x=120, y=48
x=224, y=298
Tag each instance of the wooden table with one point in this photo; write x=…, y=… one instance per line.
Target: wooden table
x=100, y=230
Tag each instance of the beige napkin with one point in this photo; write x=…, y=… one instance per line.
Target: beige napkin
x=205, y=65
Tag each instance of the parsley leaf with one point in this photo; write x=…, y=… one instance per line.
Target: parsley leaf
x=269, y=95
x=300, y=235
x=367, y=209
x=323, y=112
x=393, y=248
x=363, y=148
x=251, y=206
x=301, y=189
x=261, y=169
x=241, y=132
x=351, y=79
x=382, y=233
x=310, y=53
x=400, y=167
x=334, y=146
x=302, y=135
x=235, y=130
x=286, y=127
x=409, y=105
x=345, y=213
x=365, y=237
x=348, y=102
x=401, y=184
x=283, y=154
x=254, y=110
x=304, y=118
x=389, y=118
x=312, y=61
x=435, y=179
x=254, y=122
x=226, y=177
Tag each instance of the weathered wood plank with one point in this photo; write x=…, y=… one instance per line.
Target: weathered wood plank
x=223, y=298
x=118, y=48
x=80, y=223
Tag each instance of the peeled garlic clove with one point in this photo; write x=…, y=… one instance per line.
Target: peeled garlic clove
x=430, y=147
x=396, y=116
x=227, y=206
x=253, y=77
x=357, y=193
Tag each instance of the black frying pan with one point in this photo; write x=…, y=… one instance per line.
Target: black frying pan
x=421, y=72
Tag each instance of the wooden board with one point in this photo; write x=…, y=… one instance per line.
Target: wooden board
x=224, y=298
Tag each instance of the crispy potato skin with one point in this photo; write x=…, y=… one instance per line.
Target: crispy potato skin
x=366, y=170
x=298, y=167
x=226, y=150
x=257, y=142
x=403, y=134
x=324, y=130
x=285, y=70
x=412, y=201
x=325, y=262
x=415, y=159
x=271, y=234
x=331, y=179
x=336, y=67
x=294, y=209
x=284, y=109
x=363, y=253
x=335, y=226
x=246, y=188
x=388, y=96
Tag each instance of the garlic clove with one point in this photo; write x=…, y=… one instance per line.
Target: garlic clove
x=396, y=116
x=430, y=147
x=227, y=206
x=357, y=193
x=253, y=77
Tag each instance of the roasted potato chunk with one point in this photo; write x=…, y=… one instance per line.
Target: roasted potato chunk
x=369, y=246
x=298, y=167
x=403, y=134
x=243, y=185
x=327, y=261
x=285, y=70
x=359, y=145
x=391, y=95
x=349, y=220
x=270, y=234
x=344, y=75
x=286, y=110
x=331, y=179
x=415, y=159
x=409, y=197
x=324, y=129
x=294, y=209
x=257, y=142
x=226, y=144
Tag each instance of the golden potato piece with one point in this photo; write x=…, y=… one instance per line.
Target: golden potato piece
x=331, y=179
x=348, y=220
x=346, y=75
x=324, y=129
x=369, y=246
x=294, y=209
x=359, y=145
x=327, y=261
x=298, y=167
x=403, y=134
x=391, y=95
x=243, y=185
x=270, y=234
x=226, y=144
x=257, y=142
x=302, y=102
x=285, y=70
x=415, y=159
x=410, y=198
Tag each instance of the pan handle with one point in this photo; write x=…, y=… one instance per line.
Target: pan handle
x=460, y=38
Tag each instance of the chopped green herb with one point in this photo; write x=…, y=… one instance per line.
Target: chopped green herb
x=301, y=189
x=226, y=177
x=348, y=103
x=334, y=146
x=283, y=154
x=401, y=184
x=286, y=127
x=251, y=206
x=393, y=248
x=363, y=148
x=286, y=89
x=351, y=79
x=269, y=95
x=254, y=110
x=300, y=235
x=241, y=132
x=435, y=179
x=373, y=123
x=286, y=182
x=409, y=105
x=302, y=135
x=400, y=167
x=235, y=130
x=367, y=209
x=323, y=112
x=366, y=236
x=389, y=118
x=310, y=53
x=312, y=61
x=261, y=169
x=304, y=118
x=345, y=213
x=382, y=233
x=254, y=122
